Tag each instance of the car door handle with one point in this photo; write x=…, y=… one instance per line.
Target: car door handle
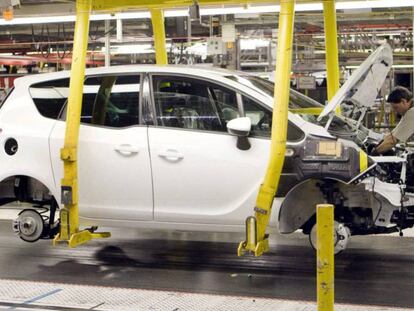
x=126, y=149
x=171, y=155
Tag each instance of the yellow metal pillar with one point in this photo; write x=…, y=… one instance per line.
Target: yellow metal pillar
x=157, y=18
x=325, y=212
x=325, y=256
x=267, y=191
x=69, y=215
x=331, y=47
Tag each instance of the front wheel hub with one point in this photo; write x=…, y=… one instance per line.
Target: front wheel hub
x=342, y=235
x=29, y=225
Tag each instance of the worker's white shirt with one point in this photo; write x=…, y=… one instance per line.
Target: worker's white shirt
x=404, y=131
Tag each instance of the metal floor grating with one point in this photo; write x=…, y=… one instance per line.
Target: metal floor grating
x=25, y=295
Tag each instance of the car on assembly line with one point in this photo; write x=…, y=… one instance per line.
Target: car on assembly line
x=186, y=148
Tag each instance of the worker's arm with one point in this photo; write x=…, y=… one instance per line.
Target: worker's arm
x=388, y=142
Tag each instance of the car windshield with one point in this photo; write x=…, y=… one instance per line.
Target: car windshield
x=339, y=126
x=296, y=100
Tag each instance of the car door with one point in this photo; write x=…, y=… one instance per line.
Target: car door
x=113, y=157
x=199, y=174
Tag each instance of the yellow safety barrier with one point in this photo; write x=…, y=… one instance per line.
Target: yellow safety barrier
x=270, y=184
x=325, y=257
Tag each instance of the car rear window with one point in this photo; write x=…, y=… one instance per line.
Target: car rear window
x=111, y=100
x=49, y=97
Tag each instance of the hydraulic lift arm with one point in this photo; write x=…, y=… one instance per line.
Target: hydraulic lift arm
x=256, y=237
x=69, y=231
x=69, y=215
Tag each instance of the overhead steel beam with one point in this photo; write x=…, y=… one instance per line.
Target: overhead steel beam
x=110, y=5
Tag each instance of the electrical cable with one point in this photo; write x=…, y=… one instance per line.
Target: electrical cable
x=44, y=53
x=65, y=50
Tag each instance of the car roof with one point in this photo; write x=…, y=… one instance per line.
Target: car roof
x=203, y=71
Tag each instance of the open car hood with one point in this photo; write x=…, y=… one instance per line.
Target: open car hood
x=359, y=92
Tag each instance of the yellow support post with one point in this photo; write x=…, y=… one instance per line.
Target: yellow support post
x=270, y=184
x=69, y=215
x=381, y=115
x=325, y=256
x=325, y=212
x=392, y=119
x=331, y=48
x=157, y=18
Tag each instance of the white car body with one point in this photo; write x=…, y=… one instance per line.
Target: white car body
x=143, y=176
x=151, y=154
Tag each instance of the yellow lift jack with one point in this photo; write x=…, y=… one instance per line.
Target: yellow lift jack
x=257, y=241
x=69, y=230
x=256, y=238
x=69, y=215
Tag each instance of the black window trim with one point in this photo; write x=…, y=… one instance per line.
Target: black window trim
x=62, y=114
x=54, y=88
x=290, y=123
x=188, y=76
x=146, y=101
x=239, y=95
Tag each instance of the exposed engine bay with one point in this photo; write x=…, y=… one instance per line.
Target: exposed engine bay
x=379, y=198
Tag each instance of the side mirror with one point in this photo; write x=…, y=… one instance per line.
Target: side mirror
x=240, y=127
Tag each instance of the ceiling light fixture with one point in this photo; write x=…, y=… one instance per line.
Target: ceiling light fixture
x=301, y=7
x=304, y=7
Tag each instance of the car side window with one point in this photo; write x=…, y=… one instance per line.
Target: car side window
x=261, y=119
x=193, y=104
x=49, y=97
x=111, y=100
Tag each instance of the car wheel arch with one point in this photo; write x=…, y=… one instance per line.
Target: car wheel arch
x=299, y=205
x=24, y=188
